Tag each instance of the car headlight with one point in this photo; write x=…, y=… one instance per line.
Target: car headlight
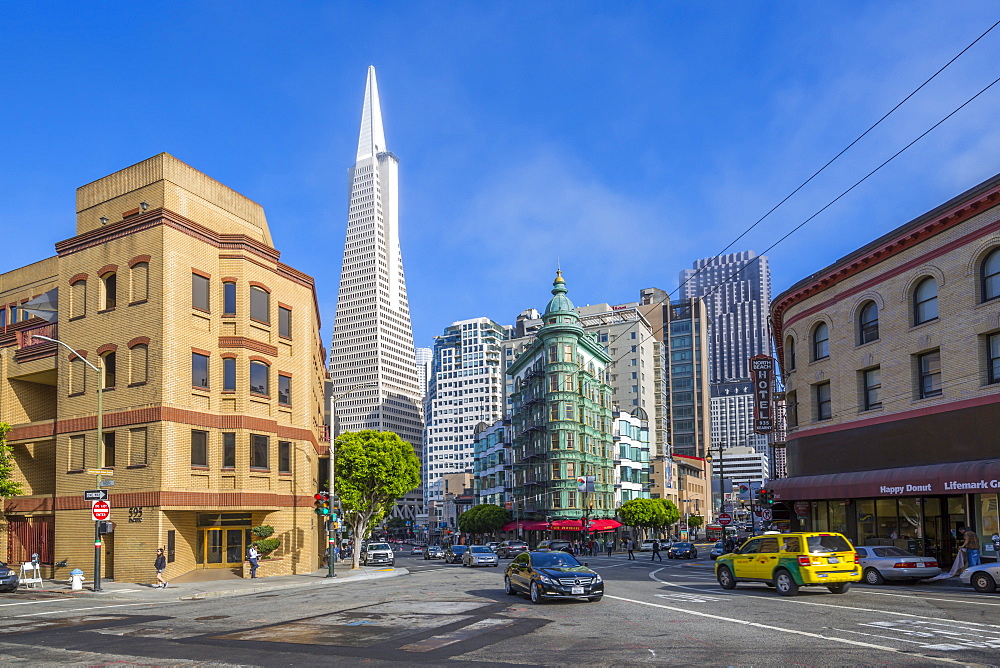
x=545, y=579
x=597, y=578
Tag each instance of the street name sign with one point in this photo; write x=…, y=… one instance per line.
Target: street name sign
x=100, y=510
x=95, y=495
x=100, y=471
x=724, y=519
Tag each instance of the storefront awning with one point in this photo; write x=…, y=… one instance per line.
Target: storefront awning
x=561, y=525
x=526, y=525
x=955, y=478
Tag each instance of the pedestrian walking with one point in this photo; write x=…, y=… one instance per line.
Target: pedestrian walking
x=656, y=550
x=252, y=556
x=611, y=546
x=971, y=546
x=631, y=546
x=160, y=565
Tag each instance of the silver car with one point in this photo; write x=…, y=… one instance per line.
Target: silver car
x=984, y=577
x=888, y=562
x=480, y=555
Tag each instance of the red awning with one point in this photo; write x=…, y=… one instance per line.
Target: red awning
x=955, y=478
x=593, y=525
x=525, y=525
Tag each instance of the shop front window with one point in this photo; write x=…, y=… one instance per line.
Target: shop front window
x=866, y=520
x=888, y=527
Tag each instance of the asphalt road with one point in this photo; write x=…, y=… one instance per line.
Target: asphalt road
x=656, y=613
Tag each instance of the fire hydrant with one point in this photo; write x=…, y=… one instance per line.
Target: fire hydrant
x=76, y=579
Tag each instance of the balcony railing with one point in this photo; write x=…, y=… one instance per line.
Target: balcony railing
x=25, y=337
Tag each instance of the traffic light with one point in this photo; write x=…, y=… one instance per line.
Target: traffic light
x=322, y=503
x=761, y=498
x=768, y=496
x=335, y=507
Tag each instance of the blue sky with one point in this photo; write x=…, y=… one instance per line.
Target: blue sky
x=625, y=139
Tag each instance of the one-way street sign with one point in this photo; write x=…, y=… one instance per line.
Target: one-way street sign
x=95, y=495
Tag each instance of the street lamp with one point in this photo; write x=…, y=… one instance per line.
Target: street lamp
x=334, y=433
x=100, y=446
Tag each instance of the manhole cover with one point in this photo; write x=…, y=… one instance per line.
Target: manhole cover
x=210, y=617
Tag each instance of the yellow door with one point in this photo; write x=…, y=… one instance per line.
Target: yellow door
x=224, y=548
x=743, y=561
x=766, y=558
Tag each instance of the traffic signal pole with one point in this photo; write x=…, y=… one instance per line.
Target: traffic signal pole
x=331, y=548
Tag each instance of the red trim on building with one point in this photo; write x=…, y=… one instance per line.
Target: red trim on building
x=139, y=340
x=262, y=360
x=107, y=348
x=258, y=284
x=77, y=278
x=137, y=259
x=199, y=272
x=107, y=269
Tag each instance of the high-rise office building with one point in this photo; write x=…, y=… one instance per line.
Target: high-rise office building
x=372, y=335
x=425, y=356
x=465, y=390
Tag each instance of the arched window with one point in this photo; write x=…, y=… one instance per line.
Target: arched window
x=790, y=353
x=925, y=301
x=868, y=323
x=821, y=341
x=109, y=290
x=108, y=366
x=991, y=276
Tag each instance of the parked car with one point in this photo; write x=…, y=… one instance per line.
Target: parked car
x=453, y=553
x=561, y=545
x=646, y=546
x=416, y=550
x=9, y=578
x=493, y=545
x=552, y=574
x=377, y=554
x=718, y=550
x=682, y=551
x=480, y=555
x=888, y=562
x=983, y=578
x=793, y=560
x=434, y=552
x=511, y=548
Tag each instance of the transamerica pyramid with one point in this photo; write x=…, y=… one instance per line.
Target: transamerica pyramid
x=372, y=360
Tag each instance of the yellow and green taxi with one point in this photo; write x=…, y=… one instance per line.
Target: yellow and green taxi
x=787, y=561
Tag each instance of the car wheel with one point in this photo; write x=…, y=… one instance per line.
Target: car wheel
x=694, y=555
x=508, y=587
x=873, y=577
x=536, y=594
x=840, y=587
x=495, y=565
x=726, y=578
x=785, y=583
x=595, y=599
x=983, y=582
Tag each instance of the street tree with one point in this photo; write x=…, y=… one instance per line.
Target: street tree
x=372, y=469
x=638, y=513
x=468, y=522
x=490, y=518
x=8, y=487
x=667, y=513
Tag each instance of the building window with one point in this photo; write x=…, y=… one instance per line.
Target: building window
x=790, y=353
x=571, y=499
x=138, y=363
x=285, y=390
x=109, y=291
x=821, y=341
x=199, y=370
x=929, y=366
x=140, y=281
x=567, y=352
x=991, y=276
x=258, y=379
x=868, y=323
x=78, y=299
x=925, y=301
x=285, y=322
x=553, y=411
x=228, y=298
x=260, y=305
x=284, y=457
x=199, y=448
x=553, y=353
x=138, y=447
x=228, y=374
x=109, y=448
x=872, y=388
x=570, y=412
x=570, y=440
x=199, y=292
x=228, y=450
x=258, y=451
x=554, y=382
x=993, y=358
x=570, y=470
x=824, y=404
x=108, y=367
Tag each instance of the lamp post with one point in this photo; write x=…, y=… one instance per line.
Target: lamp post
x=99, y=450
x=331, y=535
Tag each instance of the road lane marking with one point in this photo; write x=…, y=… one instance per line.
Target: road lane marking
x=780, y=629
x=929, y=598
x=473, y=630
x=50, y=600
x=73, y=610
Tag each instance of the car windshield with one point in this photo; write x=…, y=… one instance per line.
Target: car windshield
x=516, y=543
x=828, y=543
x=459, y=548
x=554, y=560
x=718, y=544
x=891, y=551
x=480, y=549
x=377, y=546
x=683, y=546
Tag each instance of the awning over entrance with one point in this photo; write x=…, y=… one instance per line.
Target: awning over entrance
x=526, y=525
x=561, y=525
x=955, y=478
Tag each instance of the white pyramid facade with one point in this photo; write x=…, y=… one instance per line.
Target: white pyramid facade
x=372, y=335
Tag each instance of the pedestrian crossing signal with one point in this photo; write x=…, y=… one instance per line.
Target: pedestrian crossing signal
x=322, y=503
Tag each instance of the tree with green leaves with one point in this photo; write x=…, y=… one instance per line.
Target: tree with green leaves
x=695, y=521
x=639, y=513
x=8, y=487
x=468, y=521
x=486, y=518
x=372, y=469
x=668, y=513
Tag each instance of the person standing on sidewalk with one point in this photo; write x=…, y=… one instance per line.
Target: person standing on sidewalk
x=971, y=546
x=160, y=565
x=252, y=556
x=656, y=550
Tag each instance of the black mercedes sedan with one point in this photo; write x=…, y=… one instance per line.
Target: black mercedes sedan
x=682, y=551
x=545, y=575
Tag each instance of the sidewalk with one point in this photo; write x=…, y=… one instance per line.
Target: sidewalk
x=130, y=591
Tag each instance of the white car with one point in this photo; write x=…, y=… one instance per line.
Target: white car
x=646, y=546
x=984, y=577
x=377, y=554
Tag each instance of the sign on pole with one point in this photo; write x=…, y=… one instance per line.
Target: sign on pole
x=100, y=471
x=762, y=369
x=725, y=519
x=100, y=510
x=765, y=514
x=95, y=495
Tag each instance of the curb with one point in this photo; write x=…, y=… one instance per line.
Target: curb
x=396, y=572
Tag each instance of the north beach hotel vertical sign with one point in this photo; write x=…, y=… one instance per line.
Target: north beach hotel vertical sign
x=762, y=370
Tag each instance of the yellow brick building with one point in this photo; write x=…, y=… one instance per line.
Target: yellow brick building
x=213, y=374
